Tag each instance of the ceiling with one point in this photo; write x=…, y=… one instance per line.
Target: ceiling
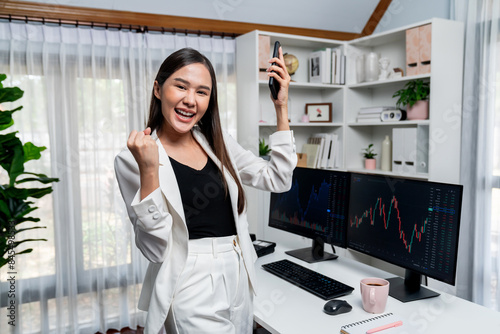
x=333, y=15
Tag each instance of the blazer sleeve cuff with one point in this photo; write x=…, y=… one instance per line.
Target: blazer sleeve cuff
x=150, y=211
x=282, y=137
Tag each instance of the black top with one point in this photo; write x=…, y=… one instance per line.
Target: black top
x=207, y=209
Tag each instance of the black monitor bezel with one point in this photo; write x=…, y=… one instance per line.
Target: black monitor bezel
x=452, y=281
x=314, y=236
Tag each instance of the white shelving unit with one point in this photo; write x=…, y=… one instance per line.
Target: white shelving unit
x=439, y=136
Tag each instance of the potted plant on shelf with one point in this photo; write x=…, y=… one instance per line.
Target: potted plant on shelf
x=14, y=204
x=369, y=154
x=415, y=96
x=264, y=149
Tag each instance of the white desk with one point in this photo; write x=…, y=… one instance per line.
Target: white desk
x=281, y=307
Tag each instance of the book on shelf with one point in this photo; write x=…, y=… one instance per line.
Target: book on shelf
x=338, y=71
x=369, y=120
x=375, y=110
x=327, y=74
x=328, y=150
x=320, y=66
x=320, y=141
x=338, y=66
x=311, y=151
x=327, y=66
x=373, y=114
x=342, y=70
x=377, y=115
x=323, y=139
x=334, y=155
x=333, y=66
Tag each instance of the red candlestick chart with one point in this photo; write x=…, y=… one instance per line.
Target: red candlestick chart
x=382, y=215
x=407, y=222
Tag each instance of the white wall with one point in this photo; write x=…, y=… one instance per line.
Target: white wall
x=404, y=12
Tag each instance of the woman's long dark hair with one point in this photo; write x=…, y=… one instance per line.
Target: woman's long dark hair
x=210, y=122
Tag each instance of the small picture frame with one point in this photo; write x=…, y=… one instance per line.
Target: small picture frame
x=319, y=112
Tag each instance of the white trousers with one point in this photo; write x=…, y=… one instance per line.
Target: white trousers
x=213, y=294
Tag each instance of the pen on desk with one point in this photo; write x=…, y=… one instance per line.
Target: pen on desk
x=381, y=328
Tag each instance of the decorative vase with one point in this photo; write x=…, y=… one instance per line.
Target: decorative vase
x=420, y=110
x=386, y=159
x=360, y=68
x=371, y=66
x=370, y=163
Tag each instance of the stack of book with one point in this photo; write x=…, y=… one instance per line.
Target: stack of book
x=327, y=66
x=372, y=114
x=322, y=151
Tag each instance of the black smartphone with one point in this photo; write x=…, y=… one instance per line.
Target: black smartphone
x=274, y=85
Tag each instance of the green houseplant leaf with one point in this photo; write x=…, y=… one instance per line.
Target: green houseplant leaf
x=413, y=91
x=13, y=157
x=32, y=152
x=263, y=148
x=368, y=152
x=6, y=119
x=14, y=204
x=42, y=178
x=10, y=94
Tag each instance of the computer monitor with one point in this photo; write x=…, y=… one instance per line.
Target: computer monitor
x=411, y=223
x=315, y=207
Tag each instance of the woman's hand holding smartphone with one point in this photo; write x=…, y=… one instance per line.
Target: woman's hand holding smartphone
x=279, y=80
x=274, y=85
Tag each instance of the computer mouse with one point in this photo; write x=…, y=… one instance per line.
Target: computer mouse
x=336, y=306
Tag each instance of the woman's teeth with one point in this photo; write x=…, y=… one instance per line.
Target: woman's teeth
x=184, y=113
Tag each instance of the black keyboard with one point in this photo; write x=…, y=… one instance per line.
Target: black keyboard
x=307, y=279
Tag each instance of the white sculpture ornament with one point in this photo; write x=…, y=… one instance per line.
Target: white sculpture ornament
x=384, y=63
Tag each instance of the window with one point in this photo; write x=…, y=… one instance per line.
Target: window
x=85, y=89
x=495, y=192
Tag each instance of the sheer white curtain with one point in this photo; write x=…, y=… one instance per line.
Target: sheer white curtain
x=480, y=168
x=85, y=89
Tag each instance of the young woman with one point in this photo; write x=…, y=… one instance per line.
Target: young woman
x=181, y=179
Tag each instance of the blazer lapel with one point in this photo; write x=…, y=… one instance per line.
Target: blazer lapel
x=168, y=181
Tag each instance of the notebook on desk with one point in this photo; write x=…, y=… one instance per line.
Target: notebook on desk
x=395, y=324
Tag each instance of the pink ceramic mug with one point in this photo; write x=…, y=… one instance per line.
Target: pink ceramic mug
x=374, y=292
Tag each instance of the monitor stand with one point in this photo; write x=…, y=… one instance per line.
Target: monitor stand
x=313, y=254
x=409, y=289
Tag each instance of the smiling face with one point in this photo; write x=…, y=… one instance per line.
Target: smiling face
x=185, y=97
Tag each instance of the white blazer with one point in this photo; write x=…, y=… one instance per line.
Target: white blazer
x=159, y=223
